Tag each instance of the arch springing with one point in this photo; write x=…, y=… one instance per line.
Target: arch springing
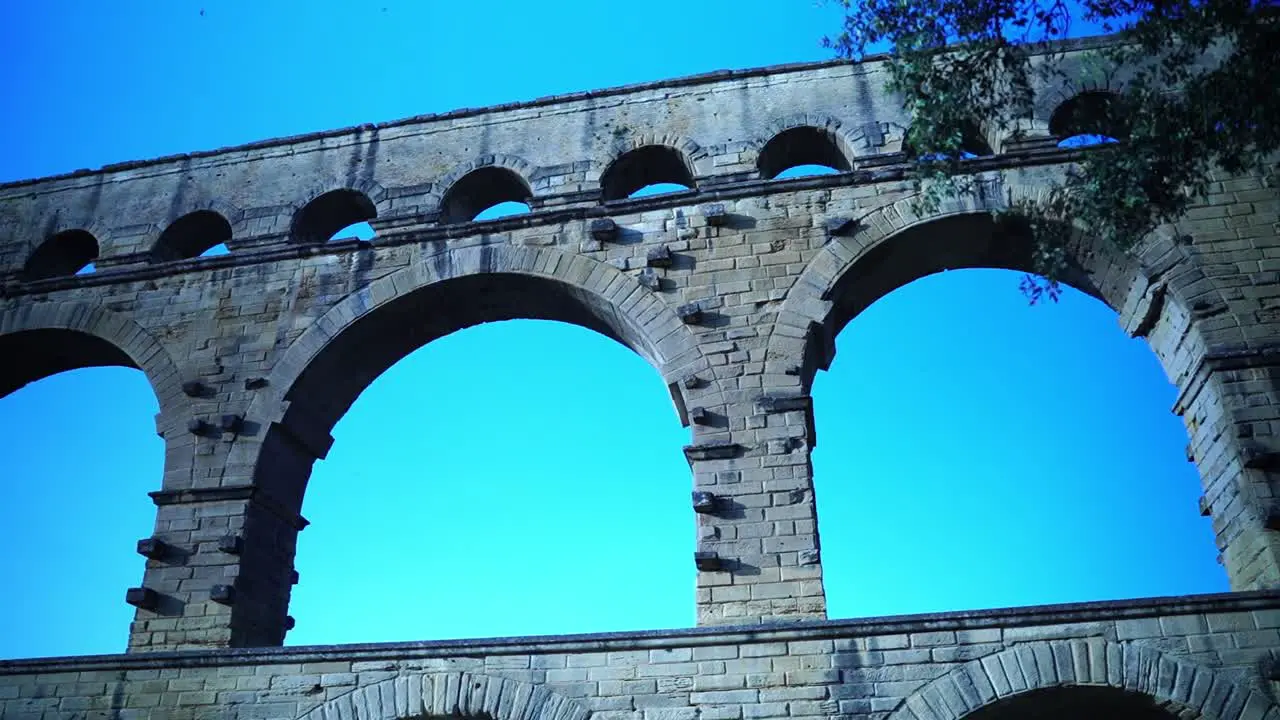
x=70, y=252
x=191, y=235
x=331, y=216
x=484, y=194
x=1090, y=118
x=643, y=168
x=815, y=150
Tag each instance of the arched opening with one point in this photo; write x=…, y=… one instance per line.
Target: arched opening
x=518, y=521
x=355, y=231
x=1088, y=119
x=1073, y=702
x=492, y=453
x=648, y=170
x=80, y=452
x=972, y=144
x=331, y=216
x=802, y=151
x=485, y=194
x=977, y=452
x=70, y=252
x=192, y=235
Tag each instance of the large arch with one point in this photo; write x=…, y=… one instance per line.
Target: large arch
x=43, y=339
x=471, y=695
x=894, y=245
x=1186, y=689
x=324, y=370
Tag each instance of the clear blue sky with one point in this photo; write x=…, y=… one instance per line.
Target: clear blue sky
x=526, y=477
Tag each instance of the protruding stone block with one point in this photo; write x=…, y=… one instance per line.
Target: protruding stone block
x=1205, y=509
x=648, y=277
x=230, y=544
x=708, y=561
x=289, y=622
x=699, y=416
x=783, y=403
x=704, y=502
x=810, y=557
x=194, y=388
x=604, y=229
x=1269, y=668
x=232, y=423
x=693, y=382
x=658, y=257
x=841, y=226
x=1260, y=458
x=223, y=594
x=715, y=214
x=293, y=577
x=690, y=313
x=142, y=597
x=714, y=450
x=153, y=548
x=198, y=426
x=1271, y=520
x=255, y=383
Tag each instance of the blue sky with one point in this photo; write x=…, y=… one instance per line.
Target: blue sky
x=526, y=477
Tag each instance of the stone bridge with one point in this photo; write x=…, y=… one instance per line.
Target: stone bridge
x=733, y=289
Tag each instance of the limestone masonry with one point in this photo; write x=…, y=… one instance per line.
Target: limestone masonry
x=733, y=290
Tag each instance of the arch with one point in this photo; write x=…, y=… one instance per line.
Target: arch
x=327, y=213
x=324, y=370
x=481, y=189
x=1070, y=702
x=973, y=143
x=644, y=166
x=44, y=339
x=1089, y=114
x=1186, y=688
x=803, y=145
x=191, y=235
x=477, y=696
x=65, y=253
x=882, y=254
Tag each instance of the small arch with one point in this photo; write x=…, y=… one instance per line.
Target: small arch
x=644, y=167
x=804, y=146
x=482, y=190
x=69, y=252
x=191, y=235
x=355, y=231
x=973, y=144
x=329, y=216
x=1092, y=117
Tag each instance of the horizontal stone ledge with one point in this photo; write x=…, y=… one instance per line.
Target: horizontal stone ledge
x=227, y=493
x=715, y=450
x=780, y=631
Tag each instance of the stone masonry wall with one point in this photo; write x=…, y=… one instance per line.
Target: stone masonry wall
x=733, y=290
x=1207, y=657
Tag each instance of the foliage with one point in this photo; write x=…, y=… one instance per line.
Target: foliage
x=1199, y=92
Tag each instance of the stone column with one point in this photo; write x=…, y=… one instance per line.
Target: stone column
x=757, y=547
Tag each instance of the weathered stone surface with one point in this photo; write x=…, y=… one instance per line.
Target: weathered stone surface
x=255, y=354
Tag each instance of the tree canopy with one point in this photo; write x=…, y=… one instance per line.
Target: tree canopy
x=1199, y=94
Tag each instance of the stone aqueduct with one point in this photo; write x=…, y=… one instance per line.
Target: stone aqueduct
x=733, y=290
